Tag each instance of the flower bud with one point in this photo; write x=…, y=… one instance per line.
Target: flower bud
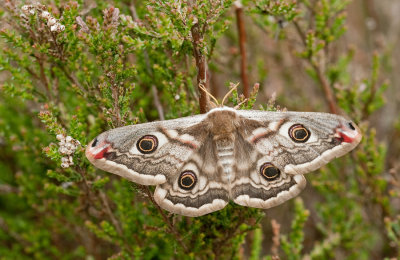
x=45, y=15
x=51, y=21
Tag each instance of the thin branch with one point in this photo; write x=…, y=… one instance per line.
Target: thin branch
x=69, y=75
x=102, y=197
x=59, y=47
x=372, y=94
x=43, y=78
x=242, y=45
x=329, y=96
x=300, y=32
x=171, y=227
x=86, y=186
x=202, y=68
x=32, y=73
x=115, y=221
x=36, y=77
x=6, y=188
x=326, y=88
x=110, y=214
x=16, y=236
x=157, y=102
x=72, y=78
x=229, y=234
x=154, y=90
x=276, y=237
x=116, y=108
x=370, y=11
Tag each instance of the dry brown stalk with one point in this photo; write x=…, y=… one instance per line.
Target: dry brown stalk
x=202, y=68
x=242, y=46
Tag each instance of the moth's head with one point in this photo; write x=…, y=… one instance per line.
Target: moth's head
x=222, y=121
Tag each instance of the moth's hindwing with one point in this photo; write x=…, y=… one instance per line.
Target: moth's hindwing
x=198, y=188
x=267, y=196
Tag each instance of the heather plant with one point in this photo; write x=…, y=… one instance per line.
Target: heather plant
x=71, y=70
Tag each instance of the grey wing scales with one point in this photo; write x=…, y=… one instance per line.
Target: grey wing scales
x=117, y=150
x=209, y=192
x=182, y=146
x=251, y=189
x=262, y=166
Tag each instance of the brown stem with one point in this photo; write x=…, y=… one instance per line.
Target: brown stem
x=326, y=88
x=171, y=227
x=110, y=214
x=202, y=68
x=102, y=197
x=157, y=102
x=20, y=239
x=70, y=76
x=371, y=12
x=300, y=32
x=229, y=234
x=374, y=88
x=242, y=46
x=43, y=77
x=58, y=47
x=154, y=90
x=32, y=73
x=116, y=108
x=276, y=237
x=329, y=96
x=73, y=79
x=36, y=77
x=84, y=181
x=5, y=188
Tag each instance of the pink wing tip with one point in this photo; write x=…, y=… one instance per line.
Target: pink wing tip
x=348, y=133
x=97, y=150
x=101, y=154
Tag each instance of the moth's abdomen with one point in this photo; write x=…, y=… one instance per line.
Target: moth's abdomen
x=225, y=151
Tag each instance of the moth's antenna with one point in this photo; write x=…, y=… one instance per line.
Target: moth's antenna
x=229, y=92
x=201, y=86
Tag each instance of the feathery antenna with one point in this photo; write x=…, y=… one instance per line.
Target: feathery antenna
x=230, y=92
x=209, y=94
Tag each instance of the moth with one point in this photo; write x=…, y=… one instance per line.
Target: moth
x=200, y=163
